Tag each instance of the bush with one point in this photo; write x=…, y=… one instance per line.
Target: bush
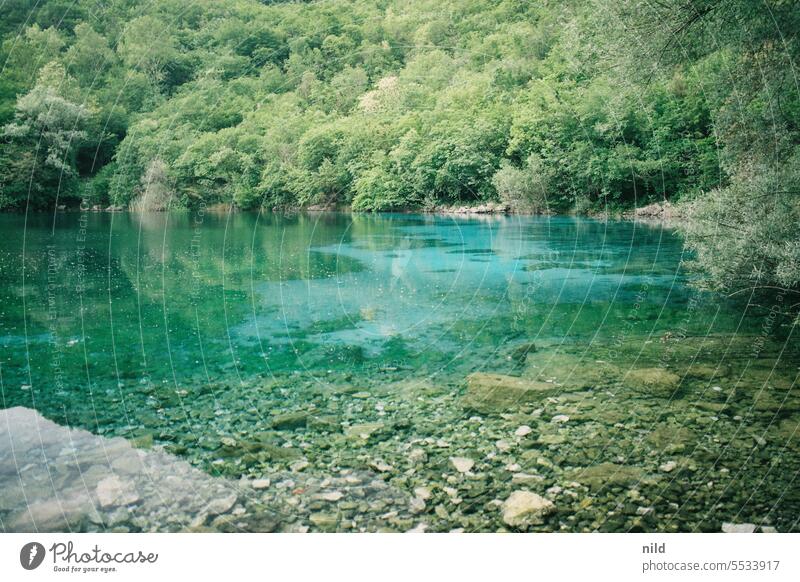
x=745, y=235
x=524, y=189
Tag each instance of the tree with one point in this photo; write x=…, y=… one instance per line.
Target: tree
x=148, y=45
x=46, y=133
x=89, y=57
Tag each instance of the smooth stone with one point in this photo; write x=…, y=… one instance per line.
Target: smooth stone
x=381, y=466
x=289, y=421
x=523, y=508
x=364, y=431
x=261, y=483
x=298, y=466
x=738, y=527
x=462, y=464
x=525, y=479
x=331, y=496
x=417, y=455
x=417, y=505
x=221, y=505
x=524, y=430
x=423, y=493
x=325, y=521
x=668, y=467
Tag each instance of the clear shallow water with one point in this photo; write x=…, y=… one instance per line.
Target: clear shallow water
x=196, y=333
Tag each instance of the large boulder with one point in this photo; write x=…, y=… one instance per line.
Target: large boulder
x=524, y=508
x=495, y=393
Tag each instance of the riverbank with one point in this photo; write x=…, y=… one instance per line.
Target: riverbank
x=657, y=211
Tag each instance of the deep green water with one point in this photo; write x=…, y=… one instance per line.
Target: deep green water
x=197, y=331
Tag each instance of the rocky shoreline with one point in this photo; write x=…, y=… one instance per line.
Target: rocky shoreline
x=658, y=211
x=549, y=441
x=655, y=212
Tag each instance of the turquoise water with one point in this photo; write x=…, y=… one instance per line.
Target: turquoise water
x=196, y=332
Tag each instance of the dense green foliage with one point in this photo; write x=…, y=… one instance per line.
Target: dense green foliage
x=548, y=106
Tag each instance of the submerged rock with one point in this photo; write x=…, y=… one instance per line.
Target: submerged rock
x=299, y=465
x=221, y=504
x=462, y=464
x=381, y=466
x=607, y=474
x=655, y=381
x=524, y=508
x=289, y=421
x=277, y=453
x=417, y=505
x=552, y=439
x=331, y=496
x=670, y=437
x=494, y=393
x=668, y=467
x=365, y=430
x=423, y=493
x=112, y=491
x=705, y=372
x=570, y=371
x=520, y=353
x=324, y=521
x=525, y=479
x=166, y=494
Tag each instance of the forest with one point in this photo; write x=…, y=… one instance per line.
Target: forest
x=580, y=106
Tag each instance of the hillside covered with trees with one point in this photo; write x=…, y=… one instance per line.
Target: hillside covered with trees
x=582, y=105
